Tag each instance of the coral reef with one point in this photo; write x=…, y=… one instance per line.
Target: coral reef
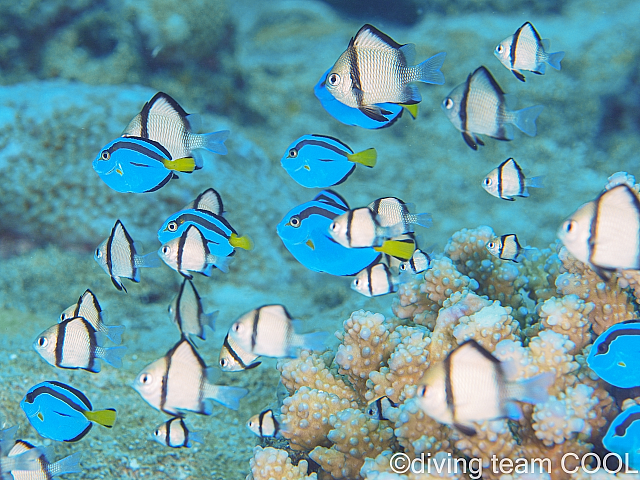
x=273, y=464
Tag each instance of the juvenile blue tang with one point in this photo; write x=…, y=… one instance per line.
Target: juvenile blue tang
x=623, y=436
x=353, y=116
x=614, y=355
x=138, y=165
x=62, y=413
x=320, y=161
x=305, y=233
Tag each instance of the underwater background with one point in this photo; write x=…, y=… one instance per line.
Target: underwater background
x=74, y=73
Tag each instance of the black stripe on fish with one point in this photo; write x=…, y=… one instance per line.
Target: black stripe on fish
x=91, y=333
x=254, y=327
x=107, y=256
x=348, y=231
x=621, y=430
x=164, y=392
x=382, y=36
x=167, y=435
x=60, y=342
x=603, y=348
x=463, y=114
x=178, y=301
x=326, y=145
x=448, y=387
x=185, y=432
x=82, y=433
x=180, y=253
x=237, y=357
x=136, y=147
x=170, y=176
x=146, y=109
x=354, y=73
x=370, y=280
x=521, y=185
x=326, y=197
x=218, y=201
x=205, y=223
x=513, y=49
x=44, y=390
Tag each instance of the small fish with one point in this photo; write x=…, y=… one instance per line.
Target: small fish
x=190, y=252
x=89, y=309
x=321, y=161
x=376, y=69
x=378, y=408
x=62, y=413
x=138, y=165
x=391, y=211
x=186, y=311
x=353, y=116
x=264, y=424
x=525, y=50
x=603, y=233
x=418, y=263
x=233, y=358
x=118, y=258
x=480, y=107
x=374, y=281
x=74, y=343
x=614, y=355
x=507, y=247
x=507, y=181
x=470, y=386
x=26, y=463
x=180, y=382
x=271, y=332
x=623, y=437
x=361, y=227
x=304, y=232
x=46, y=469
x=175, y=434
x=164, y=121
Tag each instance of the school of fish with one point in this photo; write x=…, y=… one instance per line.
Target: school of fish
x=370, y=86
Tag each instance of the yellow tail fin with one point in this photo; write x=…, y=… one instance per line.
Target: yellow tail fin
x=184, y=165
x=106, y=418
x=367, y=157
x=412, y=109
x=397, y=248
x=244, y=241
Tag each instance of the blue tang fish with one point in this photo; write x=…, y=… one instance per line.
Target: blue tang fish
x=319, y=161
x=62, y=413
x=205, y=213
x=614, y=355
x=305, y=233
x=623, y=436
x=138, y=165
x=353, y=116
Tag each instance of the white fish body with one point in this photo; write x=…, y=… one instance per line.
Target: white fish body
x=233, y=358
x=525, y=50
x=361, y=228
x=187, y=314
x=180, y=381
x=375, y=280
x=392, y=210
x=269, y=331
x=418, y=263
x=507, y=181
x=264, y=424
x=376, y=69
x=175, y=434
x=46, y=469
x=604, y=233
x=88, y=308
x=479, y=106
x=507, y=247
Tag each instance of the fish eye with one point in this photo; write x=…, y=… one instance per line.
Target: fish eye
x=166, y=250
x=293, y=153
x=356, y=282
x=499, y=49
x=295, y=221
x=370, y=412
x=172, y=227
x=422, y=390
x=98, y=253
x=491, y=245
x=250, y=423
x=602, y=348
x=333, y=227
x=223, y=362
x=105, y=155
x=568, y=225
x=236, y=327
x=157, y=432
x=334, y=79
x=487, y=181
x=145, y=378
x=42, y=342
x=448, y=103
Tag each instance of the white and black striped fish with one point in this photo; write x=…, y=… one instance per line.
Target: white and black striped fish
x=604, y=232
x=209, y=201
x=525, y=50
x=507, y=247
x=189, y=252
x=478, y=106
x=375, y=280
x=376, y=69
x=164, y=121
x=118, y=258
x=264, y=424
x=361, y=227
x=88, y=308
x=175, y=434
x=46, y=470
x=507, y=181
x=418, y=263
x=187, y=313
x=378, y=409
x=74, y=343
x=180, y=382
x=271, y=332
x=235, y=359
x=392, y=211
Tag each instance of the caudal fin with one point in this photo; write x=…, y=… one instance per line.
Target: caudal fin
x=150, y=260
x=106, y=418
x=367, y=157
x=245, y=242
x=525, y=119
x=70, y=464
x=229, y=396
x=430, y=69
x=313, y=341
x=214, y=142
x=113, y=356
x=114, y=333
x=535, y=389
x=184, y=165
x=554, y=59
x=397, y=248
x=535, y=182
x=424, y=220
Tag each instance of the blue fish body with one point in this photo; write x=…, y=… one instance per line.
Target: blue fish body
x=57, y=411
x=304, y=232
x=134, y=165
x=215, y=229
x=623, y=436
x=614, y=355
x=352, y=116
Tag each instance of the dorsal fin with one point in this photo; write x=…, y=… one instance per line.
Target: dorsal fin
x=482, y=78
x=370, y=37
x=331, y=198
